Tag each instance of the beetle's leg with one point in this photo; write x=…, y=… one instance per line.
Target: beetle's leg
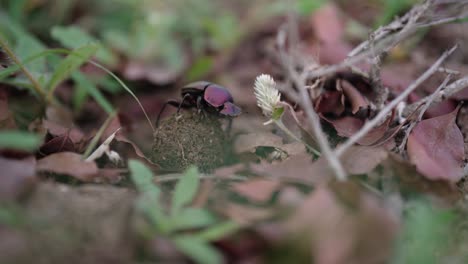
x=170, y=102
x=181, y=104
x=199, y=104
x=200, y=107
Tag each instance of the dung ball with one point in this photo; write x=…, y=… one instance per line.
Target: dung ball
x=189, y=139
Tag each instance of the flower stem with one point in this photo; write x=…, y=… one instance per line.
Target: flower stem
x=281, y=125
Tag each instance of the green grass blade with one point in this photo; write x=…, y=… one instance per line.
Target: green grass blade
x=87, y=85
x=19, y=140
x=72, y=62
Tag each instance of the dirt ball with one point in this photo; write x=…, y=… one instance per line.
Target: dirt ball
x=189, y=139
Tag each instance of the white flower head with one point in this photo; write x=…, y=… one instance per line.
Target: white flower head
x=268, y=96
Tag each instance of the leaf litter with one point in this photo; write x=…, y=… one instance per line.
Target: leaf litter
x=285, y=199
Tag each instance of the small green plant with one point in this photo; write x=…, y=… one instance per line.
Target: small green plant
x=191, y=229
x=426, y=233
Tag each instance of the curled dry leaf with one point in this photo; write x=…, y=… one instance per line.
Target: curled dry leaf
x=16, y=177
x=436, y=147
x=257, y=190
x=337, y=233
x=56, y=129
x=68, y=163
x=114, y=126
x=60, y=143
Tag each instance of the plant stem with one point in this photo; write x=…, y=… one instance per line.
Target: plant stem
x=281, y=125
x=35, y=84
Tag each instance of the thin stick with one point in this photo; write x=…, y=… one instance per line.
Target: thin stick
x=450, y=90
x=387, y=109
x=402, y=146
x=305, y=102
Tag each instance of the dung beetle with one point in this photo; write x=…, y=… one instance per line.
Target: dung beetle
x=206, y=96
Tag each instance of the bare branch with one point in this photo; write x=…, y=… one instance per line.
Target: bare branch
x=438, y=97
x=385, y=111
x=299, y=81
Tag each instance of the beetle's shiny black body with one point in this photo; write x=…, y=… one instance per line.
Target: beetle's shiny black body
x=206, y=96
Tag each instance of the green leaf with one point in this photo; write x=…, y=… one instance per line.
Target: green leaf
x=19, y=140
x=218, y=231
x=306, y=7
x=198, y=250
x=72, y=62
x=87, y=85
x=190, y=218
x=73, y=37
x=425, y=235
x=141, y=176
x=201, y=67
x=185, y=190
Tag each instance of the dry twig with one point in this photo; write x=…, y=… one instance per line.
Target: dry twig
x=431, y=98
x=389, y=107
x=299, y=81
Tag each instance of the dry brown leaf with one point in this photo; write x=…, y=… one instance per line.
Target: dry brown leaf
x=436, y=147
x=68, y=163
x=243, y=214
x=55, y=129
x=336, y=233
x=16, y=177
x=257, y=190
x=356, y=99
x=114, y=126
x=362, y=159
x=61, y=143
x=411, y=181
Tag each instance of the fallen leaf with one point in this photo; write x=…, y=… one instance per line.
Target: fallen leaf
x=348, y=126
x=362, y=159
x=441, y=108
x=410, y=180
x=329, y=30
x=55, y=129
x=436, y=147
x=356, y=99
x=257, y=190
x=68, y=163
x=243, y=214
x=337, y=233
x=114, y=126
x=60, y=115
x=16, y=177
x=330, y=102
x=61, y=143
